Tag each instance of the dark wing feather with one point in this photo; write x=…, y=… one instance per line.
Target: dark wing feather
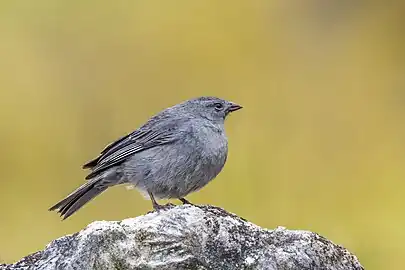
x=111, y=147
x=150, y=135
x=123, y=141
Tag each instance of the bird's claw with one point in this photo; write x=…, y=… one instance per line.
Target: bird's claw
x=159, y=207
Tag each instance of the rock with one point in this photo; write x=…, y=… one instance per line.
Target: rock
x=188, y=237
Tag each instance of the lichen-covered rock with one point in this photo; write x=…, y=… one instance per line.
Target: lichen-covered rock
x=189, y=237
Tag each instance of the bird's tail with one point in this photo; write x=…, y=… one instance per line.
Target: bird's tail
x=79, y=197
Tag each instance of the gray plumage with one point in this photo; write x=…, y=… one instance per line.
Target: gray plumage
x=176, y=152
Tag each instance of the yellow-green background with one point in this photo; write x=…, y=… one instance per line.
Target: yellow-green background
x=319, y=145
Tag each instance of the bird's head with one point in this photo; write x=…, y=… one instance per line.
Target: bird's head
x=212, y=108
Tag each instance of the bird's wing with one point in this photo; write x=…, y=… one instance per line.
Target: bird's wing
x=127, y=139
x=148, y=136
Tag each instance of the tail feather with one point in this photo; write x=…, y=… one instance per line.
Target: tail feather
x=78, y=198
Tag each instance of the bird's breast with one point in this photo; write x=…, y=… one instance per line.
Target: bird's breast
x=213, y=151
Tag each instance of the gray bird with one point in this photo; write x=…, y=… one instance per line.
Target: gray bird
x=178, y=151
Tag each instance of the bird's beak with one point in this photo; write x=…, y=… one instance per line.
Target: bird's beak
x=234, y=107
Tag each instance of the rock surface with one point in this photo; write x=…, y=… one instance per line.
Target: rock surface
x=188, y=237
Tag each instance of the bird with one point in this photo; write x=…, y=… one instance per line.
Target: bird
x=176, y=152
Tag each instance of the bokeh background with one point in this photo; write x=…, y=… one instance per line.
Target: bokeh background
x=319, y=144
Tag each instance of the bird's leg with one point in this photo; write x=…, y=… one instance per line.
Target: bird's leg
x=156, y=206
x=184, y=201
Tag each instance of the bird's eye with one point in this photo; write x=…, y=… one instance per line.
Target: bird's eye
x=219, y=106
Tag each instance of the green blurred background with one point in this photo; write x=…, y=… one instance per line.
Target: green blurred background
x=319, y=144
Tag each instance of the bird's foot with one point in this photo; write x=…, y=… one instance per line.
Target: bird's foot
x=184, y=201
x=159, y=207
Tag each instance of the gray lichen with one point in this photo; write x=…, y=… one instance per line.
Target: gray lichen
x=189, y=237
